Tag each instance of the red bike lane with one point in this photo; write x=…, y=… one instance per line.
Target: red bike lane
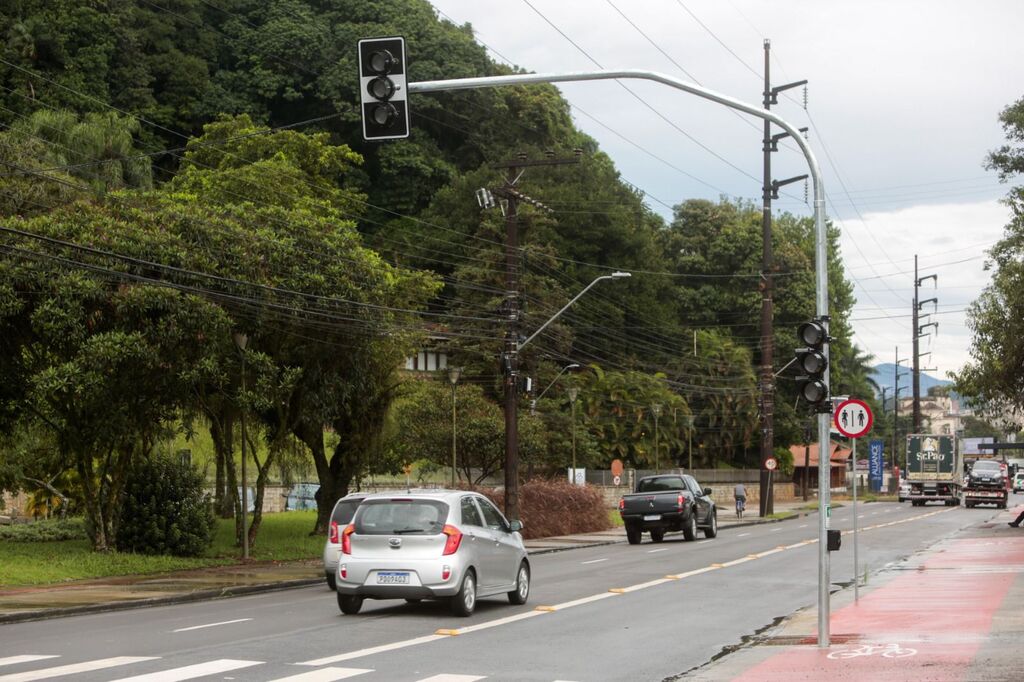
x=928, y=623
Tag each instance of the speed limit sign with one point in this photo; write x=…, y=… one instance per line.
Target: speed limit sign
x=771, y=464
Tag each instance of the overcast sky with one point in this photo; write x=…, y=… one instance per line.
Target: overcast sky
x=902, y=106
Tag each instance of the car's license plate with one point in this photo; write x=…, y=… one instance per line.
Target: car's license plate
x=652, y=517
x=392, y=578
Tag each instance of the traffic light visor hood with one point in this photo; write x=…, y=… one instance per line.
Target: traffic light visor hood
x=814, y=392
x=812, y=334
x=381, y=62
x=812, y=362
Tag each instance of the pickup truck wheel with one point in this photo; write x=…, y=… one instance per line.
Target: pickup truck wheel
x=633, y=535
x=332, y=582
x=712, y=529
x=657, y=535
x=690, y=529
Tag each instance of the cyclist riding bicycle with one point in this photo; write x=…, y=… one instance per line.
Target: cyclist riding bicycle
x=740, y=493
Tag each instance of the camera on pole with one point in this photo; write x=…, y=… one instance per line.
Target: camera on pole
x=812, y=361
x=382, y=88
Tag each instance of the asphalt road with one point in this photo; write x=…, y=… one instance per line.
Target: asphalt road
x=649, y=628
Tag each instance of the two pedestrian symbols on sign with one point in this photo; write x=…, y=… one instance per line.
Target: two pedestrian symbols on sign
x=853, y=418
x=847, y=419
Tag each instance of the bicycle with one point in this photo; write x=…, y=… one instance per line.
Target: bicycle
x=741, y=503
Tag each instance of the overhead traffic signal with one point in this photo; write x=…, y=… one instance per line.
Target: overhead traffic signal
x=382, y=88
x=812, y=361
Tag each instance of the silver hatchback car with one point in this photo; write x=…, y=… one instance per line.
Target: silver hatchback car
x=431, y=544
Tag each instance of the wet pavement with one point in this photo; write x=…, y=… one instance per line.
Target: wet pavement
x=107, y=594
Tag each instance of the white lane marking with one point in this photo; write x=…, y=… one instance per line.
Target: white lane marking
x=594, y=561
x=663, y=549
x=743, y=535
x=98, y=664
x=452, y=678
x=583, y=600
x=776, y=530
x=325, y=675
x=697, y=571
x=190, y=672
x=803, y=526
x=212, y=625
x=26, y=658
x=359, y=653
x=639, y=586
x=496, y=622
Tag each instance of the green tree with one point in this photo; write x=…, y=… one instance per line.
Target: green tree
x=994, y=377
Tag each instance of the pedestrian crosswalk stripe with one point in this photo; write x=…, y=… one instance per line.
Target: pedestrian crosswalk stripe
x=190, y=672
x=325, y=675
x=73, y=668
x=452, y=678
x=25, y=658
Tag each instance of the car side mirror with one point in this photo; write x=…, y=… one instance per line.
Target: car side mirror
x=515, y=526
x=707, y=491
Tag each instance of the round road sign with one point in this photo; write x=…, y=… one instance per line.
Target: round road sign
x=853, y=418
x=771, y=464
x=617, y=480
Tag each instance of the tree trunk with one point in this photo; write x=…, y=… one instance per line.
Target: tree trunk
x=332, y=488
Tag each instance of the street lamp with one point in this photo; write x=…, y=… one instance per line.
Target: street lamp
x=614, y=275
x=656, y=411
x=511, y=407
x=453, y=378
x=573, y=394
x=533, y=403
x=241, y=341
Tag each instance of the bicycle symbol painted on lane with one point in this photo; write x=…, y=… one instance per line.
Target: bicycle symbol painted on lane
x=890, y=650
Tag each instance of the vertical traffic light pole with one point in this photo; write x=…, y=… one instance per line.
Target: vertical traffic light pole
x=820, y=252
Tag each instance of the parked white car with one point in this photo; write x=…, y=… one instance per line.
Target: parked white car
x=341, y=516
x=904, y=492
x=452, y=545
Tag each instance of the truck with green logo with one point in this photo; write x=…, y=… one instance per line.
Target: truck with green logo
x=933, y=469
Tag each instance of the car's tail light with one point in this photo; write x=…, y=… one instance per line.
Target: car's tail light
x=333, y=537
x=346, y=539
x=343, y=571
x=446, y=572
x=451, y=545
x=679, y=502
x=622, y=503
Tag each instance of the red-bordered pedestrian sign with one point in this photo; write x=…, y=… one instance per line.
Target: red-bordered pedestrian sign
x=853, y=418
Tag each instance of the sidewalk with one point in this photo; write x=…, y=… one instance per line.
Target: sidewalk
x=950, y=613
x=123, y=592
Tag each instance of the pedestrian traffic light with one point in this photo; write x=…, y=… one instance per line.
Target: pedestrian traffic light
x=382, y=88
x=813, y=362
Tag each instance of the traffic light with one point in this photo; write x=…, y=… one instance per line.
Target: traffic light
x=812, y=362
x=382, y=88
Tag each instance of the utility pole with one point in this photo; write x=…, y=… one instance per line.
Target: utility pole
x=896, y=405
x=511, y=312
x=916, y=333
x=770, y=190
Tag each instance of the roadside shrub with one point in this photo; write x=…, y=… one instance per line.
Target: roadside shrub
x=549, y=508
x=45, y=531
x=165, y=510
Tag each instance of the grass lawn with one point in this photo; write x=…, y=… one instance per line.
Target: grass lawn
x=282, y=537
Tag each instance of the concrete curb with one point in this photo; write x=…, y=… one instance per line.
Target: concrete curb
x=170, y=600
x=242, y=590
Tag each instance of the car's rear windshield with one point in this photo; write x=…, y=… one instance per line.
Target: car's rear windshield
x=344, y=511
x=400, y=516
x=985, y=464
x=653, y=485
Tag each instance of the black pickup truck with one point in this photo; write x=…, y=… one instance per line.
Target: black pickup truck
x=668, y=502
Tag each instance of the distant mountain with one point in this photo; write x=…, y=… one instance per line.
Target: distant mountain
x=883, y=376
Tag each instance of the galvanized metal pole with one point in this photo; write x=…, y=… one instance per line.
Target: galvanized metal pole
x=820, y=253
x=856, y=582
